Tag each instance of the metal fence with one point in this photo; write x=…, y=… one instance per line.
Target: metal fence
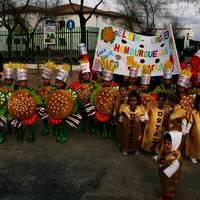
x=65, y=48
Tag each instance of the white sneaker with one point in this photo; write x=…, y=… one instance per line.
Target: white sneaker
x=137, y=153
x=125, y=153
x=193, y=160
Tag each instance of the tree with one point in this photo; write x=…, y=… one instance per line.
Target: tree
x=10, y=17
x=141, y=14
x=43, y=7
x=83, y=20
x=14, y=14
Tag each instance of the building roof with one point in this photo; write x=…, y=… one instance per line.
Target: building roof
x=66, y=9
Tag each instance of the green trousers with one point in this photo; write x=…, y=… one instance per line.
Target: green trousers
x=61, y=133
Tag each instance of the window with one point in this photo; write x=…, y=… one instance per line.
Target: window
x=61, y=24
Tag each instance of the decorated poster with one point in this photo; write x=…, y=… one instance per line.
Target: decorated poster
x=123, y=50
x=49, y=31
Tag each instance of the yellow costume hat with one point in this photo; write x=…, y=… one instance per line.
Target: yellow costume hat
x=146, y=75
x=108, y=68
x=132, y=66
x=46, y=74
x=167, y=70
x=8, y=71
x=184, y=78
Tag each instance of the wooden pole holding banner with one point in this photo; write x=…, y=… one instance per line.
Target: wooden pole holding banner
x=174, y=51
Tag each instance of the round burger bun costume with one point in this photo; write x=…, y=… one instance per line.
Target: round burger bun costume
x=5, y=92
x=105, y=100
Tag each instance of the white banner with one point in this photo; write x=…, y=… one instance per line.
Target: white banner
x=124, y=48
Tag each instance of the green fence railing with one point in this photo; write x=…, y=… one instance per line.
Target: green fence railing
x=65, y=48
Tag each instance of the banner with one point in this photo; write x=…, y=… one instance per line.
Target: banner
x=173, y=51
x=49, y=31
x=124, y=48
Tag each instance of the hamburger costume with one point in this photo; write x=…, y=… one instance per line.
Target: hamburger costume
x=5, y=92
x=61, y=106
x=23, y=105
x=105, y=101
x=85, y=91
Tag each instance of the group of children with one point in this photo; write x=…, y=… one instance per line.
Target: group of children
x=164, y=120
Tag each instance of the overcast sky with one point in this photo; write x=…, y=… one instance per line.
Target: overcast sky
x=187, y=14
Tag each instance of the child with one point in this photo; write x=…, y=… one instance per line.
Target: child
x=193, y=139
x=130, y=117
x=121, y=100
x=85, y=90
x=169, y=163
x=156, y=125
x=43, y=92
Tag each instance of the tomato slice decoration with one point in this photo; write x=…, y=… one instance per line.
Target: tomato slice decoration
x=102, y=117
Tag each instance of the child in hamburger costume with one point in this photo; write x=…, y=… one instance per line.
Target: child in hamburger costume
x=23, y=105
x=5, y=92
x=85, y=90
x=169, y=163
x=61, y=106
x=43, y=92
x=105, y=101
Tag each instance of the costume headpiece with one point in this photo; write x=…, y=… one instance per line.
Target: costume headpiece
x=167, y=70
x=8, y=71
x=108, y=68
x=46, y=74
x=184, y=78
x=132, y=66
x=85, y=66
x=63, y=72
x=146, y=75
x=21, y=71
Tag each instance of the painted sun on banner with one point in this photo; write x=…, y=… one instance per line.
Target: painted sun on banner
x=125, y=49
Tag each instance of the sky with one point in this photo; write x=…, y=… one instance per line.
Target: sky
x=187, y=14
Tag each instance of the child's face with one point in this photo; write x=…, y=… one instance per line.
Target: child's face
x=123, y=92
x=86, y=76
x=46, y=81
x=167, y=146
x=132, y=80
x=8, y=81
x=161, y=101
x=23, y=83
x=133, y=102
x=59, y=83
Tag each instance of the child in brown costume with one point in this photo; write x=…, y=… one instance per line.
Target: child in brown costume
x=169, y=163
x=131, y=116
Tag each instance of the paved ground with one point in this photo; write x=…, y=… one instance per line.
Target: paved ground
x=86, y=168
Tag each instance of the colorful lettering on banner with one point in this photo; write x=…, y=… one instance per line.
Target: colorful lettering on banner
x=117, y=44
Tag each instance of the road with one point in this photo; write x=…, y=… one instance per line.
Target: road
x=85, y=168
